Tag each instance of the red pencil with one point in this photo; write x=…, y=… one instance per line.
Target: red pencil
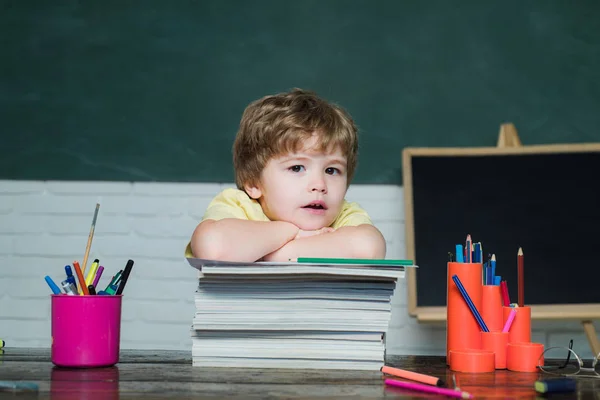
x=507, y=294
x=521, y=282
x=505, y=302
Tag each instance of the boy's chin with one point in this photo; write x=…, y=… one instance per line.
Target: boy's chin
x=309, y=226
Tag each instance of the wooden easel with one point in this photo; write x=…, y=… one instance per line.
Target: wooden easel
x=508, y=137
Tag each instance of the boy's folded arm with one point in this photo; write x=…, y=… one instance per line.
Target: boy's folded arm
x=363, y=241
x=232, y=239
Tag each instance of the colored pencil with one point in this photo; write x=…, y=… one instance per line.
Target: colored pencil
x=509, y=320
x=468, y=249
x=82, y=287
x=428, y=389
x=493, y=264
x=507, y=293
x=521, y=281
x=505, y=302
x=477, y=253
x=90, y=237
x=459, y=253
x=470, y=303
x=414, y=376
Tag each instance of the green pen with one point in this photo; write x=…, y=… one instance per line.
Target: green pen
x=111, y=289
x=364, y=261
x=113, y=282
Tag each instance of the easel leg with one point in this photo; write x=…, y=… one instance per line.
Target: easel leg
x=590, y=332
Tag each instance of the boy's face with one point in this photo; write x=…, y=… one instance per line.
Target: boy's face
x=306, y=188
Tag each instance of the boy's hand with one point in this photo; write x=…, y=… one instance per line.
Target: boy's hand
x=303, y=234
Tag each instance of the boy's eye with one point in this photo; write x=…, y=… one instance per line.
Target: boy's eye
x=296, y=168
x=332, y=171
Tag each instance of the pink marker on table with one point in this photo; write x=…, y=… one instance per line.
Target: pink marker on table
x=98, y=275
x=509, y=320
x=429, y=389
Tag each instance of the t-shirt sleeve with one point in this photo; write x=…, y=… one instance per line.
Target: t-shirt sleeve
x=230, y=203
x=351, y=215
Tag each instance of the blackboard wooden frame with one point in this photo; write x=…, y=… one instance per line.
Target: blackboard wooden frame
x=583, y=312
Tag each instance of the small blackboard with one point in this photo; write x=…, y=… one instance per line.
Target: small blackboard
x=544, y=199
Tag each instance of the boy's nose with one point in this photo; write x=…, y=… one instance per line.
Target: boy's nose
x=318, y=185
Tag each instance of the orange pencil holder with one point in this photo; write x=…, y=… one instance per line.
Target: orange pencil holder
x=496, y=342
x=472, y=361
x=491, y=307
x=524, y=357
x=462, y=329
x=520, y=330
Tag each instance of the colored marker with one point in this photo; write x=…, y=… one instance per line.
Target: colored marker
x=556, y=385
x=126, y=273
x=69, y=288
x=98, y=275
x=92, y=272
x=2, y=343
x=55, y=289
x=70, y=276
x=18, y=386
x=92, y=289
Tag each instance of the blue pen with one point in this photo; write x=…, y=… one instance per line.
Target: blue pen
x=52, y=285
x=70, y=277
x=459, y=253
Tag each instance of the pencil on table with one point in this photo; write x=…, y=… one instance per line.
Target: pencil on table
x=521, y=281
x=90, y=237
x=415, y=376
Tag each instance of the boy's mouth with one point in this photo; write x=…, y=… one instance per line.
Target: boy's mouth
x=316, y=205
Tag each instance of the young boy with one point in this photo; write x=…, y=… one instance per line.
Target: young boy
x=294, y=157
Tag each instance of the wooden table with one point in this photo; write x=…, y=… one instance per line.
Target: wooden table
x=169, y=374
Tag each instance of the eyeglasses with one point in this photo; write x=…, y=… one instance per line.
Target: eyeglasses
x=553, y=361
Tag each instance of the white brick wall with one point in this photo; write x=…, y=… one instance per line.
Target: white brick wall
x=45, y=225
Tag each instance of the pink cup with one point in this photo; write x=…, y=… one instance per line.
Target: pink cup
x=86, y=330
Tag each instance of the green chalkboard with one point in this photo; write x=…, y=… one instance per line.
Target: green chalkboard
x=153, y=90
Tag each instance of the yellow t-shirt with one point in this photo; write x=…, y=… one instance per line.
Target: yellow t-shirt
x=235, y=203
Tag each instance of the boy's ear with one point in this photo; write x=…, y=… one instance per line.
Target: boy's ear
x=253, y=191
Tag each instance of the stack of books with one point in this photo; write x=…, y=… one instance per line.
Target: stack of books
x=328, y=315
